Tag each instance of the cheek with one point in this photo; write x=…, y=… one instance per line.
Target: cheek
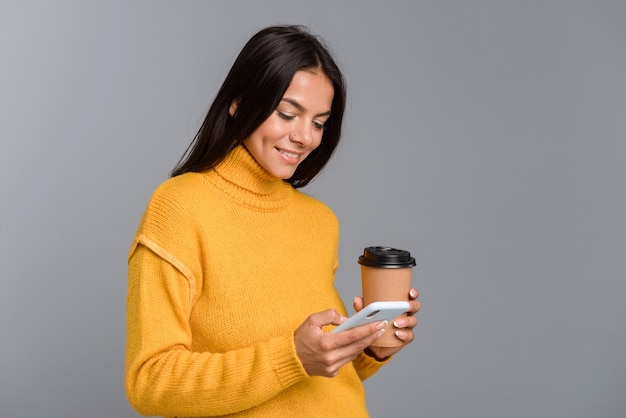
x=318, y=141
x=274, y=127
x=266, y=129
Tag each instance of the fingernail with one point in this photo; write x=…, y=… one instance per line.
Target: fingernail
x=398, y=334
x=412, y=292
x=382, y=325
x=395, y=324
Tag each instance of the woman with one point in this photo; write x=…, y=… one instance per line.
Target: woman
x=232, y=268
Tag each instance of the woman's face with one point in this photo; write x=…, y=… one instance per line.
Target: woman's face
x=295, y=128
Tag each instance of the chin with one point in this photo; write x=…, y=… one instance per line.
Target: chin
x=283, y=174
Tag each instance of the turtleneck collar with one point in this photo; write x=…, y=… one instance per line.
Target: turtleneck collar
x=243, y=179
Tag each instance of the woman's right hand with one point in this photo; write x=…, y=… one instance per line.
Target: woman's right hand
x=322, y=353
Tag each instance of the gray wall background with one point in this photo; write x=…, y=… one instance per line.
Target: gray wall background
x=488, y=138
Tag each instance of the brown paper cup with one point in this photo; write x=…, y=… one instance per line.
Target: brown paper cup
x=385, y=278
x=380, y=284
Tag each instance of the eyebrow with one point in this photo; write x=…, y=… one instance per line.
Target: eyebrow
x=302, y=108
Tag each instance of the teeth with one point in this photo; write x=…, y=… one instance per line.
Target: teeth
x=289, y=154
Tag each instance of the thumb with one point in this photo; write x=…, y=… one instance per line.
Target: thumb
x=327, y=317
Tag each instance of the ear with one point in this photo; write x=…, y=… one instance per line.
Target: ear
x=233, y=107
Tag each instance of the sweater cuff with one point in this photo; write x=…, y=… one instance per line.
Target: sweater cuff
x=366, y=366
x=285, y=361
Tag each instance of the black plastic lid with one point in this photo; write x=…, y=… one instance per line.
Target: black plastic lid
x=386, y=257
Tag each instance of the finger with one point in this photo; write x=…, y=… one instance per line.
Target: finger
x=361, y=335
x=358, y=303
x=356, y=344
x=409, y=322
x=414, y=307
x=406, y=336
x=413, y=293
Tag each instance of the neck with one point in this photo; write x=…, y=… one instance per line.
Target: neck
x=243, y=179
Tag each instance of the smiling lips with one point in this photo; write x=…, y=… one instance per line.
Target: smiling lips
x=290, y=157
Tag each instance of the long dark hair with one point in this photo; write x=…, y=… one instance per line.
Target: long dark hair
x=258, y=80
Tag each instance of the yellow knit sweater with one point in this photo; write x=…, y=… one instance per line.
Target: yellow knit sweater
x=224, y=267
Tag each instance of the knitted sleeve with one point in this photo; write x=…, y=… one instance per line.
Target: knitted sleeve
x=163, y=374
x=366, y=366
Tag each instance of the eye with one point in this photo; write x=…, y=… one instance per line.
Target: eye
x=284, y=115
x=319, y=126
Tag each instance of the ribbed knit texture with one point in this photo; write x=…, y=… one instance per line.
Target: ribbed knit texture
x=224, y=267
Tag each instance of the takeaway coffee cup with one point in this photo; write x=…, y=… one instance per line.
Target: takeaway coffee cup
x=386, y=276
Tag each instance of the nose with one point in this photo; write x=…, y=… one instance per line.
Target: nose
x=302, y=134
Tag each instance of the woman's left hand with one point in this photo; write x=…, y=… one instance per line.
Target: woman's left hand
x=403, y=327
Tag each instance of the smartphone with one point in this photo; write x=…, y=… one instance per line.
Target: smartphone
x=375, y=311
